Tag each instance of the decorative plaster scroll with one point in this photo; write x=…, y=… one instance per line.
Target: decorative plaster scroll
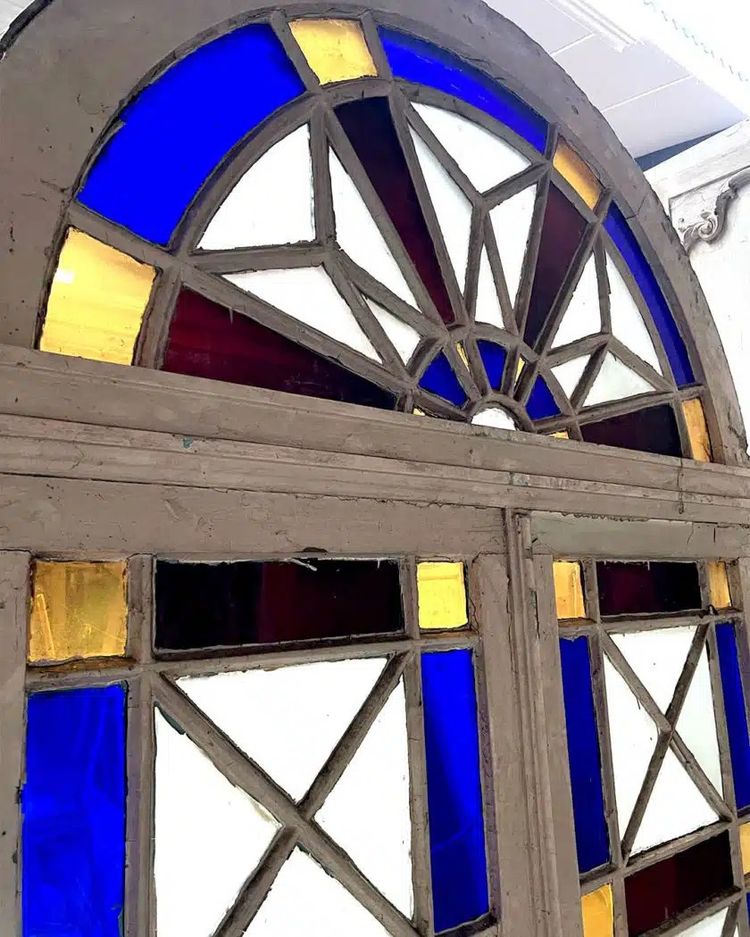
x=712, y=224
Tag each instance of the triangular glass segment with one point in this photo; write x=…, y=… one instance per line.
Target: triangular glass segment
x=359, y=236
x=633, y=735
x=657, y=658
x=304, y=899
x=627, y=322
x=451, y=206
x=712, y=926
x=583, y=315
x=488, y=305
x=272, y=203
x=676, y=807
x=570, y=373
x=616, y=381
x=485, y=159
x=308, y=295
x=208, y=837
x=402, y=336
x=511, y=222
x=367, y=812
x=287, y=720
x=696, y=725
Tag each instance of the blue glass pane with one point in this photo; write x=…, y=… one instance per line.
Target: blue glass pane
x=454, y=793
x=541, y=403
x=423, y=63
x=73, y=802
x=624, y=239
x=734, y=707
x=181, y=126
x=592, y=841
x=440, y=379
x=493, y=358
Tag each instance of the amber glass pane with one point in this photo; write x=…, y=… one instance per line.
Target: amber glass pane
x=745, y=847
x=442, y=596
x=206, y=341
x=597, y=912
x=650, y=430
x=335, y=50
x=562, y=232
x=201, y=605
x=695, y=418
x=569, y=590
x=639, y=588
x=370, y=129
x=658, y=893
x=77, y=610
x=96, y=302
x=575, y=171
x=718, y=585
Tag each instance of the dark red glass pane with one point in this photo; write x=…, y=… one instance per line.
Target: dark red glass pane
x=639, y=588
x=369, y=126
x=205, y=340
x=651, y=430
x=562, y=231
x=658, y=893
x=202, y=605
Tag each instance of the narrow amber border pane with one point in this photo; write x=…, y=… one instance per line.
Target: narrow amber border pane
x=718, y=585
x=336, y=50
x=569, y=597
x=97, y=301
x=441, y=593
x=700, y=442
x=78, y=610
x=577, y=173
x=745, y=847
x=597, y=911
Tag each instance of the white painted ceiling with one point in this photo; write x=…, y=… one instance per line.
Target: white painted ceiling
x=650, y=100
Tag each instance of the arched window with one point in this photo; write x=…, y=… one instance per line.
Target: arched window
x=273, y=659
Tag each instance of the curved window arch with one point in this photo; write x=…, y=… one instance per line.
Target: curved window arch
x=269, y=682
x=392, y=228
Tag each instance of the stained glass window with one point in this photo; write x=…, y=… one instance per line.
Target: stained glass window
x=277, y=792
x=414, y=236
x=658, y=745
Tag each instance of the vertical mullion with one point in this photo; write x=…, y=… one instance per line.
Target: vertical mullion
x=14, y=610
x=420, y=846
x=141, y=750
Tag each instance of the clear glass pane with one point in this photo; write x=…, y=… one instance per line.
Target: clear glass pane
x=488, y=305
x=511, y=222
x=402, y=336
x=272, y=203
x=697, y=726
x=484, y=158
x=308, y=294
x=583, y=315
x=627, y=322
x=451, y=206
x=616, y=381
x=208, y=837
x=657, y=657
x=304, y=899
x=570, y=373
x=633, y=739
x=368, y=811
x=675, y=807
x=287, y=720
x=495, y=417
x=358, y=235
x=712, y=926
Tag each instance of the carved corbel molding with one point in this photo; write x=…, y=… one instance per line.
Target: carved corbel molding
x=712, y=224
